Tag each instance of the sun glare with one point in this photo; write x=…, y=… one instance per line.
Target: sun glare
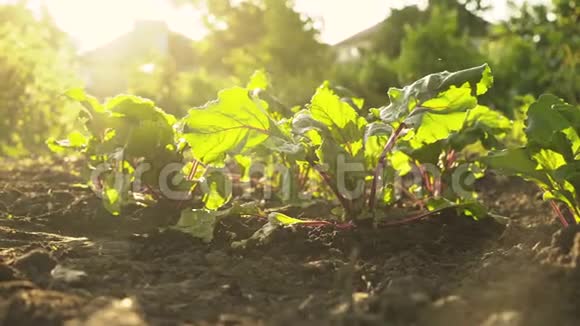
x=94, y=22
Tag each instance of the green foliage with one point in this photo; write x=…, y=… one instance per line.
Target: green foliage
x=448, y=131
x=332, y=132
x=120, y=135
x=246, y=35
x=35, y=62
x=433, y=121
x=537, y=51
x=370, y=77
x=412, y=43
x=176, y=90
x=130, y=143
x=234, y=124
x=437, y=94
x=438, y=115
x=436, y=45
x=550, y=157
x=329, y=149
x=200, y=223
x=393, y=30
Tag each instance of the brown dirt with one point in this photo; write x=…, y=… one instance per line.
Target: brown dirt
x=445, y=271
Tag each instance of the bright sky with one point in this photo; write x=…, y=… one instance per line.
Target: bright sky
x=95, y=22
x=343, y=18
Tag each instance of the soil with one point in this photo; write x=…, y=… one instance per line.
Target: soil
x=63, y=261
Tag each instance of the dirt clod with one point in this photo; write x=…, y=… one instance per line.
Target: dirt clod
x=36, y=265
x=7, y=273
x=39, y=307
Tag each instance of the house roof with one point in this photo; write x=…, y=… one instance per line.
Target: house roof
x=146, y=36
x=476, y=24
x=361, y=36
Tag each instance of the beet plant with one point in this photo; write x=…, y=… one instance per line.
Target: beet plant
x=436, y=121
x=238, y=125
x=127, y=142
x=551, y=156
x=327, y=150
x=441, y=134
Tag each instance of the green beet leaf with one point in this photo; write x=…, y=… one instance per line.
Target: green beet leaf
x=471, y=208
x=435, y=127
x=119, y=135
x=485, y=125
x=115, y=192
x=233, y=124
x=377, y=129
x=284, y=220
x=443, y=91
x=140, y=127
x=551, y=124
x=549, y=159
x=343, y=122
x=218, y=191
x=199, y=223
x=516, y=162
x=259, y=81
x=327, y=108
x=75, y=140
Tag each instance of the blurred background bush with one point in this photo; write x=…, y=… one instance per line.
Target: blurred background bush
x=37, y=64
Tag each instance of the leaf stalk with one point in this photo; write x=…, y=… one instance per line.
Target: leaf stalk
x=381, y=164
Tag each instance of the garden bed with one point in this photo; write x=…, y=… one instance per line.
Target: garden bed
x=446, y=270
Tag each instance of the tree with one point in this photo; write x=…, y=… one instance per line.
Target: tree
x=412, y=43
x=437, y=45
x=538, y=51
x=393, y=30
x=35, y=62
x=254, y=34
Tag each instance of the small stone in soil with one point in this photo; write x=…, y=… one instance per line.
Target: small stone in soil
x=233, y=289
x=68, y=276
x=320, y=266
x=35, y=264
x=7, y=273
